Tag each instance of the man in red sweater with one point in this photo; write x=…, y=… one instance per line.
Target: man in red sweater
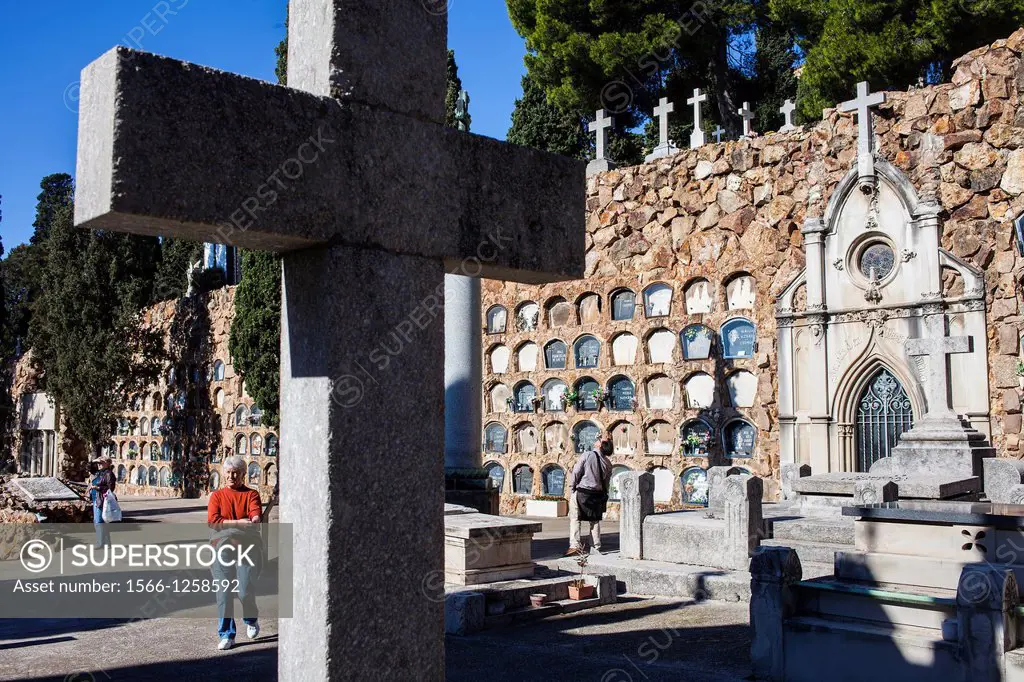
x=234, y=513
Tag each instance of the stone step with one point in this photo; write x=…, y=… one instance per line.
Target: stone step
x=810, y=552
x=827, y=648
x=838, y=531
x=887, y=605
x=814, y=570
x=530, y=614
x=1014, y=661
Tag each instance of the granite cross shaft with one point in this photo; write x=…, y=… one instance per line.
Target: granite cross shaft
x=599, y=125
x=697, y=136
x=937, y=347
x=787, y=111
x=351, y=174
x=665, y=146
x=865, y=131
x=747, y=115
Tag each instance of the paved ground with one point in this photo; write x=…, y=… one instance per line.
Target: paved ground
x=639, y=639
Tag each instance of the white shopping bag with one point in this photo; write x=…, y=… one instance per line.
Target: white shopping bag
x=111, y=509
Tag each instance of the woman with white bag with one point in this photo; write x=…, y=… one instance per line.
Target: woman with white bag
x=101, y=492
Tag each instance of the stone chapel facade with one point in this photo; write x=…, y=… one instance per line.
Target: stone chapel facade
x=748, y=303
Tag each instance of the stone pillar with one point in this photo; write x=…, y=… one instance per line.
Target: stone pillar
x=744, y=523
x=790, y=472
x=875, y=491
x=773, y=573
x=465, y=482
x=986, y=602
x=814, y=244
x=636, y=490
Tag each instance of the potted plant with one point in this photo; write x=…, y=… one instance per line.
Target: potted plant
x=547, y=507
x=579, y=589
x=538, y=403
x=571, y=397
x=695, y=444
x=1020, y=373
x=601, y=396
x=538, y=600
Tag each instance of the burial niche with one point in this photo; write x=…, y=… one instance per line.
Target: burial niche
x=738, y=338
x=153, y=477
x=554, y=391
x=694, y=485
x=526, y=438
x=589, y=308
x=499, y=359
x=553, y=480
x=742, y=387
x=621, y=394
x=660, y=393
x=495, y=437
x=241, y=444
x=496, y=473
x=139, y=477
x=664, y=481
x=499, y=398
x=695, y=437
x=657, y=300
x=522, y=480
x=587, y=350
x=696, y=341
x=526, y=356
x=624, y=438
x=738, y=438
x=740, y=293
x=559, y=312
x=623, y=305
x=523, y=395
x=660, y=438
x=698, y=297
x=556, y=435
x=270, y=475
x=585, y=435
x=121, y=473
x=700, y=390
x=618, y=471
x=624, y=349
x=256, y=445
x=272, y=445
x=555, y=353
x=165, y=477
x=659, y=346
x=587, y=392
x=527, y=316
x=218, y=370
x=496, y=319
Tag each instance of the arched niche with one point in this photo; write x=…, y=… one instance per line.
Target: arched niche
x=559, y=312
x=623, y=304
x=495, y=438
x=589, y=308
x=499, y=356
x=664, y=482
x=739, y=439
x=526, y=438
x=742, y=387
x=553, y=392
x=625, y=438
x=527, y=316
x=526, y=357
x=739, y=338
x=661, y=392
x=497, y=318
x=585, y=434
x=660, y=344
x=660, y=437
x=496, y=473
x=695, y=438
x=587, y=352
x=552, y=479
x=700, y=390
x=556, y=354
x=624, y=350
x=556, y=437
x=621, y=394
x=658, y=300
x=740, y=292
x=698, y=297
x=522, y=396
x=499, y=395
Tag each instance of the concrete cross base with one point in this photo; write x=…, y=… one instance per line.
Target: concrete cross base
x=931, y=446
x=600, y=166
x=661, y=151
x=479, y=548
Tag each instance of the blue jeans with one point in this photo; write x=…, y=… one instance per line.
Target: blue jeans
x=102, y=529
x=245, y=575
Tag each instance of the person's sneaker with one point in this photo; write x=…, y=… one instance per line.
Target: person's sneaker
x=226, y=643
x=253, y=631
x=595, y=550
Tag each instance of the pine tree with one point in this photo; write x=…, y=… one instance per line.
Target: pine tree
x=452, y=93
x=58, y=192
x=537, y=123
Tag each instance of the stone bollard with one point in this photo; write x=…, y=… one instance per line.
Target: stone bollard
x=1000, y=477
x=636, y=491
x=986, y=602
x=875, y=492
x=716, y=486
x=464, y=612
x=773, y=573
x=791, y=472
x=744, y=524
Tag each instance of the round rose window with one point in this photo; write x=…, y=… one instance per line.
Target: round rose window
x=877, y=261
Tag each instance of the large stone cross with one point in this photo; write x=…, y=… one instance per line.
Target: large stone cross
x=747, y=115
x=599, y=125
x=937, y=347
x=697, y=138
x=350, y=173
x=865, y=130
x=665, y=146
x=787, y=110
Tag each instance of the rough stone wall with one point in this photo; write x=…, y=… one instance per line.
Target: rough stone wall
x=737, y=208
x=195, y=408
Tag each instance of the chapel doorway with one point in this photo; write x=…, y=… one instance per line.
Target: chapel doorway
x=884, y=413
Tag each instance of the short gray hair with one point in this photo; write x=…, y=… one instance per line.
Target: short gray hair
x=234, y=462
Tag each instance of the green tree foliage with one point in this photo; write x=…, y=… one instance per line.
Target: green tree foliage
x=86, y=329
x=176, y=257
x=7, y=411
x=281, y=71
x=774, y=61
x=58, y=192
x=889, y=43
x=255, y=341
x=537, y=123
x=452, y=93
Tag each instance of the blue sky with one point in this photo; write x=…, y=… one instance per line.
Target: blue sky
x=44, y=44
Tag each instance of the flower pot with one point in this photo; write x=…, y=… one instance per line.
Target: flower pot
x=578, y=592
x=538, y=600
x=547, y=509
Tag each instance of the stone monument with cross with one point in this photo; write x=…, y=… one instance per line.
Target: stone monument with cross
x=862, y=105
x=697, y=138
x=349, y=173
x=787, y=110
x=599, y=126
x=747, y=115
x=665, y=146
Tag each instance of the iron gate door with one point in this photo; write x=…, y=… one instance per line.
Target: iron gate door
x=883, y=414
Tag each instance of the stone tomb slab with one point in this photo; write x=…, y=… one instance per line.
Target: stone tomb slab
x=480, y=548
x=46, y=489
x=916, y=487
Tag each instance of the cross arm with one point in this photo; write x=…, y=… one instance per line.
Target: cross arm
x=171, y=148
x=946, y=345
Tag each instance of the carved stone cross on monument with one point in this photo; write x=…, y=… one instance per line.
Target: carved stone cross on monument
x=665, y=146
x=747, y=115
x=865, y=131
x=787, y=111
x=350, y=173
x=718, y=132
x=937, y=347
x=697, y=136
x=601, y=123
